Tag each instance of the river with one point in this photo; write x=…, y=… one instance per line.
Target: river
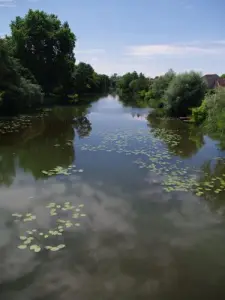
x=106, y=202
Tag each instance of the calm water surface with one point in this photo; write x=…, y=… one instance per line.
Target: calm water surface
x=140, y=232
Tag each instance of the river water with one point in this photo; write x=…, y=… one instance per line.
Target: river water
x=105, y=202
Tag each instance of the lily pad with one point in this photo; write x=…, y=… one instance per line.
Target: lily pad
x=22, y=247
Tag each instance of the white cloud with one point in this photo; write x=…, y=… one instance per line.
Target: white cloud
x=156, y=59
x=181, y=49
x=7, y=3
x=90, y=51
x=2, y=35
x=12, y=3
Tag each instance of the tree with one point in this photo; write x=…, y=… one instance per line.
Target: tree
x=160, y=84
x=125, y=80
x=83, y=77
x=139, y=84
x=113, y=81
x=45, y=46
x=17, y=90
x=185, y=91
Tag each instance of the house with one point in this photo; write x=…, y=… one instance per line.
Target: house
x=220, y=82
x=213, y=81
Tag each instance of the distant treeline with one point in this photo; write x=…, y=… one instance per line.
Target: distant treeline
x=176, y=95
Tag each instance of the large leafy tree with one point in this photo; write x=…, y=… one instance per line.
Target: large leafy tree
x=17, y=85
x=45, y=46
x=113, y=80
x=101, y=83
x=139, y=84
x=125, y=80
x=83, y=77
x=160, y=84
x=185, y=91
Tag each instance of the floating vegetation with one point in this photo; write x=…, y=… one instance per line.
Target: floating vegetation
x=18, y=123
x=37, y=240
x=62, y=171
x=56, y=171
x=28, y=217
x=158, y=153
x=55, y=248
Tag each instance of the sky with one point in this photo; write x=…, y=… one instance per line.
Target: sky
x=120, y=36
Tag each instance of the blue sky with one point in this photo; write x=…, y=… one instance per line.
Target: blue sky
x=143, y=35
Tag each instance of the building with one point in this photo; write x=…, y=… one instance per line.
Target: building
x=213, y=81
x=220, y=82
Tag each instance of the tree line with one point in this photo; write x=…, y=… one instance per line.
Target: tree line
x=176, y=95
x=37, y=61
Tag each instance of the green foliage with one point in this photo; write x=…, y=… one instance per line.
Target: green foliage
x=215, y=103
x=16, y=84
x=86, y=80
x=222, y=76
x=132, y=88
x=160, y=84
x=139, y=85
x=211, y=114
x=124, y=82
x=73, y=98
x=184, y=92
x=83, y=77
x=199, y=114
x=39, y=56
x=114, y=81
x=45, y=46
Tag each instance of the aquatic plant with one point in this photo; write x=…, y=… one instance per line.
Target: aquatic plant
x=64, y=216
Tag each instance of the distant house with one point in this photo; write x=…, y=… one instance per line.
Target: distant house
x=220, y=82
x=213, y=81
x=210, y=80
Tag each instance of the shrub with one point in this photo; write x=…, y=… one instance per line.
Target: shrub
x=216, y=111
x=199, y=114
x=160, y=84
x=185, y=91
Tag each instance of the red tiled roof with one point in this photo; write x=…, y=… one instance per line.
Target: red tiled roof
x=220, y=82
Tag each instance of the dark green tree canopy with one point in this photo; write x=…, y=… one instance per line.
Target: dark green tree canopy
x=185, y=91
x=87, y=80
x=45, y=46
x=17, y=87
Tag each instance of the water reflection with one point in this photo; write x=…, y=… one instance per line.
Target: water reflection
x=137, y=241
x=46, y=144
x=212, y=182
x=191, y=139
x=7, y=165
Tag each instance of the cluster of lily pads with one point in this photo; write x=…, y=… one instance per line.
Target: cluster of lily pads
x=20, y=122
x=62, y=171
x=214, y=184
x=151, y=152
x=14, y=124
x=65, y=216
x=68, y=143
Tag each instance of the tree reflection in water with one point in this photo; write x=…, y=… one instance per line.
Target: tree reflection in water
x=191, y=139
x=46, y=144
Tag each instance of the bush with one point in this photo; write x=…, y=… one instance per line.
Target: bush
x=160, y=84
x=185, y=91
x=216, y=111
x=199, y=114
